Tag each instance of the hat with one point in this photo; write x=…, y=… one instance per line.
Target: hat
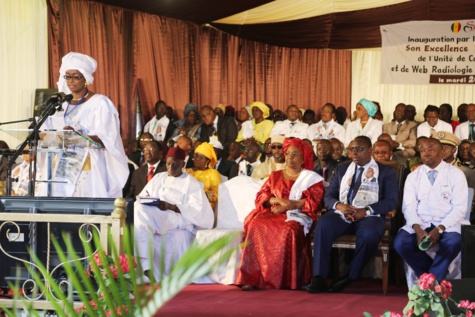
x=369, y=106
x=207, y=150
x=277, y=139
x=216, y=144
x=262, y=106
x=85, y=64
x=176, y=153
x=222, y=107
x=446, y=138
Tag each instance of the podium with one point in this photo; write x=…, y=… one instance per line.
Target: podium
x=59, y=158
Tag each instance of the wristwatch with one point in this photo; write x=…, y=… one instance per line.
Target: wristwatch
x=368, y=211
x=440, y=230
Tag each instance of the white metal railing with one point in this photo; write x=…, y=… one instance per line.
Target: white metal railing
x=105, y=225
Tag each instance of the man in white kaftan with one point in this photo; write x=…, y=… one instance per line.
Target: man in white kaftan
x=183, y=208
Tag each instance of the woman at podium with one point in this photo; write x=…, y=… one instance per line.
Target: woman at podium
x=96, y=167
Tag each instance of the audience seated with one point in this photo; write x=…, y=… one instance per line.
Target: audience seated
x=274, y=163
x=414, y=162
x=235, y=152
x=472, y=155
x=183, y=208
x=160, y=125
x=266, y=151
x=432, y=123
x=466, y=130
x=223, y=165
x=277, y=248
x=155, y=164
x=190, y=125
x=463, y=152
x=382, y=153
x=338, y=149
x=230, y=112
x=378, y=115
x=355, y=207
x=364, y=123
x=137, y=156
x=204, y=159
x=257, y=129
x=309, y=117
x=402, y=133
x=222, y=128
x=249, y=161
x=279, y=115
x=445, y=114
x=325, y=165
x=21, y=176
x=220, y=110
x=327, y=128
x=462, y=112
x=449, y=143
x=185, y=143
x=411, y=113
x=341, y=117
x=434, y=206
x=292, y=127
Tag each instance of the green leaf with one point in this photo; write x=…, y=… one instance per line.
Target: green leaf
x=367, y=314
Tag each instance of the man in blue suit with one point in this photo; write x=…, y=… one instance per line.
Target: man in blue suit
x=355, y=206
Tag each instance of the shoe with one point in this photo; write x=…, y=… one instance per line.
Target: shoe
x=318, y=285
x=247, y=288
x=339, y=284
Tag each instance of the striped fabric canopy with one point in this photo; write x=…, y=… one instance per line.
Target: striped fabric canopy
x=334, y=24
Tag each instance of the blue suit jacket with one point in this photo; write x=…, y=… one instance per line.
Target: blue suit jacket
x=388, y=190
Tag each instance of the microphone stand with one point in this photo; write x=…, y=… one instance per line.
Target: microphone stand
x=31, y=139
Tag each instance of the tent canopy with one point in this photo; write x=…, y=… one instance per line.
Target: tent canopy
x=333, y=24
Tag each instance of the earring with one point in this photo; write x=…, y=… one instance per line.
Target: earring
x=85, y=83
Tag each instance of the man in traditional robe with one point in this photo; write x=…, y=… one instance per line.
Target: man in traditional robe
x=181, y=208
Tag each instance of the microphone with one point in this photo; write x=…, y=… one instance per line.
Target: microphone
x=66, y=98
x=57, y=97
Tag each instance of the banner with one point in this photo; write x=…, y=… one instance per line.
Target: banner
x=429, y=52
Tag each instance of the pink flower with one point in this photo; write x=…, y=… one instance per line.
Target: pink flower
x=426, y=280
x=468, y=314
x=393, y=314
x=114, y=271
x=124, y=263
x=471, y=306
x=410, y=312
x=438, y=289
x=446, y=289
x=463, y=304
x=426, y=315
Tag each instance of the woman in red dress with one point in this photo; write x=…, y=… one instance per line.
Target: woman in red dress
x=277, y=247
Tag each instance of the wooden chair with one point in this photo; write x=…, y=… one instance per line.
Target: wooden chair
x=349, y=241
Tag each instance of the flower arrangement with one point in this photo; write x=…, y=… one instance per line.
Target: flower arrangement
x=106, y=268
x=430, y=298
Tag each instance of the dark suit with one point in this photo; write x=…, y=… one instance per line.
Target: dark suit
x=227, y=132
x=330, y=169
x=139, y=178
x=170, y=129
x=225, y=168
x=368, y=230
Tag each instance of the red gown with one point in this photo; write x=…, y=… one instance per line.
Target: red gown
x=276, y=253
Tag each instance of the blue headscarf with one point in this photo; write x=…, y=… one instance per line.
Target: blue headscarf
x=369, y=106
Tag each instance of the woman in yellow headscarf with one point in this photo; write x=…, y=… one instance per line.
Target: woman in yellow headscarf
x=204, y=160
x=258, y=128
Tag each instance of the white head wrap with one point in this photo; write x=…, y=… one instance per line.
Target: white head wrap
x=81, y=62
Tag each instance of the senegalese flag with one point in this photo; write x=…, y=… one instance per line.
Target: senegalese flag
x=456, y=26
x=139, y=116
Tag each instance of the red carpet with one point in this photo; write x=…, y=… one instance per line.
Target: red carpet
x=222, y=300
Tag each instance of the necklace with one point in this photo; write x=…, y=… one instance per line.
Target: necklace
x=66, y=113
x=363, y=122
x=87, y=93
x=294, y=175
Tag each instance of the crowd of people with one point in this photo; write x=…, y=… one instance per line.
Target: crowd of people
x=346, y=165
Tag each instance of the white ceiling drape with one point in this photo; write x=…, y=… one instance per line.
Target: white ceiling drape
x=289, y=10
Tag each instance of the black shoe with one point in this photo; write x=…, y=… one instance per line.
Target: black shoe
x=318, y=285
x=339, y=284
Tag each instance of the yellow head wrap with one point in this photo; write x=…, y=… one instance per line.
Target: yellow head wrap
x=206, y=149
x=262, y=106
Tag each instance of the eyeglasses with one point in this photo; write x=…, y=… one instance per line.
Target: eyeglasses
x=356, y=149
x=150, y=149
x=276, y=147
x=292, y=155
x=75, y=78
x=199, y=157
x=327, y=111
x=380, y=152
x=145, y=140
